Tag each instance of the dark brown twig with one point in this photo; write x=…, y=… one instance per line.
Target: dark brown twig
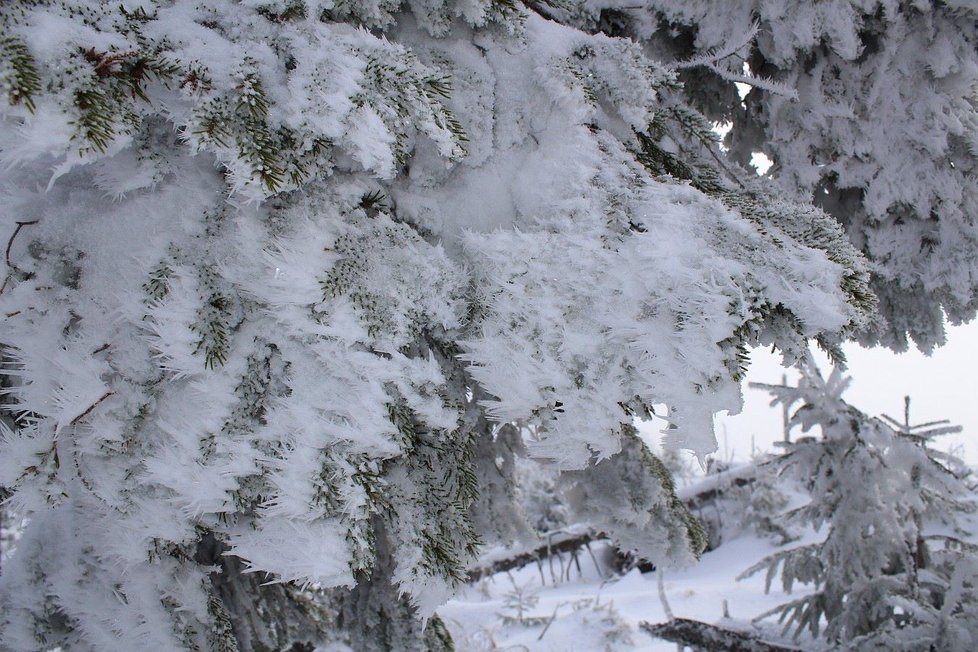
x=104, y=61
x=11, y=268
x=91, y=407
x=10, y=242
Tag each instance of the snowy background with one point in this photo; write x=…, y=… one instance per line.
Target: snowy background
x=576, y=604
x=941, y=386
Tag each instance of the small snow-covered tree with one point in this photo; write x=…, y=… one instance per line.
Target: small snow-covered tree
x=896, y=569
x=279, y=273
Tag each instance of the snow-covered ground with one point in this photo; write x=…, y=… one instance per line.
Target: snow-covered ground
x=592, y=611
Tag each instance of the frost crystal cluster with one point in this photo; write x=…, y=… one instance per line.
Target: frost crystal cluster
x=867, y=108
x=279, y=275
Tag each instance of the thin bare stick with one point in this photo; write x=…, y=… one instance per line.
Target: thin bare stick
x=91, y=407
x=662, y=596
x=587, y=544
x=10, y=242
x=11, y=268
x=550, y=621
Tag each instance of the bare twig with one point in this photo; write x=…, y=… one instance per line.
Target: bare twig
x=91, y=407
x=550, y=621
x=597, y=567
x=10, y=242
x=10, y=265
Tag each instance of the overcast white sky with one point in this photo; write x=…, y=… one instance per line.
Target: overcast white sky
x=941, y=386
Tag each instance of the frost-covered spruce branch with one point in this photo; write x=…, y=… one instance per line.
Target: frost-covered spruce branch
x=880, y=132
x=297, y=264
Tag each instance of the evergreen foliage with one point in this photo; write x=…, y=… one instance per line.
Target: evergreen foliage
x=284, y=277
x=895, y=570
x=866, y=109
x=632, y=496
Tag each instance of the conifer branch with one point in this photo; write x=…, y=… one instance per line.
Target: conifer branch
x=769, y=85
x=715, y=55
x=23, y=79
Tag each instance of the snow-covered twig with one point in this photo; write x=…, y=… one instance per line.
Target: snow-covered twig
x=711, y=59
x=570, y=544
x=714, y=55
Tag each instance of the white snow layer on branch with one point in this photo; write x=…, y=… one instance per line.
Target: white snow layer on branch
x=280, y=369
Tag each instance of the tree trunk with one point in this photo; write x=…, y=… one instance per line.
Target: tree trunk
x=263, y=617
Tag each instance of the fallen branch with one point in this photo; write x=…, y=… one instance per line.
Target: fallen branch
x=714, y=486
x=703, y=636
x=695, y=497
x=569, y=544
